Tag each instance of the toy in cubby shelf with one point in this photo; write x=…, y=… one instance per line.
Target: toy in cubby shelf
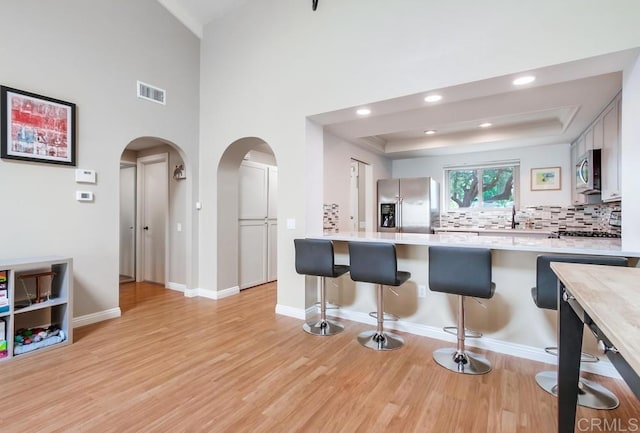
x=4, y=292
x=40, y=295
x=3, y=338
x=30, y=339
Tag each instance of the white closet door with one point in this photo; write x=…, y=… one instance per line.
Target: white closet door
x=257, y=224
x=253, y=191
x=272, y=193
x=272, y=222
x=253, y=257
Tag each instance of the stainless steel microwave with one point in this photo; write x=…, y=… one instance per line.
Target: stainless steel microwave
x=588, y=173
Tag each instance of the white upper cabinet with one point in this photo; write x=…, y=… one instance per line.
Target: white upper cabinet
x=603, y=134
x=597, y=134
x=576, y=198
x=581, y=147
x=588, y=139
x=611, y=152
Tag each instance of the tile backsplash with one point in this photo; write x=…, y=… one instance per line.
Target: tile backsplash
x=591, y=217
x=331, y=217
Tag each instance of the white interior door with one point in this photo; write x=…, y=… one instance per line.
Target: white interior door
x=354, y=203
x=272, y=223
x=257, y=224
x=253, y=246
x=127, y=223
x=358, y=202
x=153, y=195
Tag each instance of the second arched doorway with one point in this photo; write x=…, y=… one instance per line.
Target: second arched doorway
x=247, y=215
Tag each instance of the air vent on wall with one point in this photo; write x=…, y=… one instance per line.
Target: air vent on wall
x=151, y=93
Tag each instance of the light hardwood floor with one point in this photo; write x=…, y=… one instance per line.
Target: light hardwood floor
x=176, y=364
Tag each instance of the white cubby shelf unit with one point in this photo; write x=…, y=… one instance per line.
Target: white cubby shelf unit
x=39, y=308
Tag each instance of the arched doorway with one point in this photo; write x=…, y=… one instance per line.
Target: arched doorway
x=242, y=236
x=155, y=229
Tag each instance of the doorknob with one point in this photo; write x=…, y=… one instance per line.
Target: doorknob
x=146, y=227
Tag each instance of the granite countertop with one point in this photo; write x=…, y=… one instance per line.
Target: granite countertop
x=573, y=245
x=513, y=232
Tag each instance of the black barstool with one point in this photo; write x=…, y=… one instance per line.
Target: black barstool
x=315, y=257
x=545, y=295
x=463, y=272
x=377, y=263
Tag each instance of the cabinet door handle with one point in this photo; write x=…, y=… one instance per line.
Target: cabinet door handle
x=145, y=228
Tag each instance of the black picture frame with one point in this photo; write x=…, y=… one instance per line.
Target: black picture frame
x=37, y=128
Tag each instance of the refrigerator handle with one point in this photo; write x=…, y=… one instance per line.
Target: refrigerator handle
x=399, y=213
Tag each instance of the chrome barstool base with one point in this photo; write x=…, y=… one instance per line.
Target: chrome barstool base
x=590, y=394
x=380, y=341
x=471, y=363
x=323, y=327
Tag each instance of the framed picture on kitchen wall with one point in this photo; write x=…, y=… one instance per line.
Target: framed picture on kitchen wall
x=545, y=179
x=37, y=128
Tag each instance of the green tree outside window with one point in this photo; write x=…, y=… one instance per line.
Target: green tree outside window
x=492, y=187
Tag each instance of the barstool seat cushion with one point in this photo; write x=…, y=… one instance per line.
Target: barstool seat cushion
x=315, y=257
x=375, y=262
x=461, y=271
x=545, y=293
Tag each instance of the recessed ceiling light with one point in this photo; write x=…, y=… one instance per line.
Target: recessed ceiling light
x=430, y=132
x=521, y=81
x=485, y=125
x=433, y=98
x=363, y=112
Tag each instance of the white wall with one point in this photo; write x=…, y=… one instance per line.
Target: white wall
x=267, y=65
x=557, y=155
x=337, y=163
x=261, y=157
x=92, y=53
x=630, y=145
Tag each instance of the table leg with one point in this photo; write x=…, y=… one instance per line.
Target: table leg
x=570, y=346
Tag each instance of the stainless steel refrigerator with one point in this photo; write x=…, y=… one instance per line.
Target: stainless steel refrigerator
x=410, y=205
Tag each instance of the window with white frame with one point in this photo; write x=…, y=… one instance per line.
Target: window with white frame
x=482, y=186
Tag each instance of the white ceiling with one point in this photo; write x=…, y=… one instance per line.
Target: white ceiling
x=555, y=108
x=560, y=104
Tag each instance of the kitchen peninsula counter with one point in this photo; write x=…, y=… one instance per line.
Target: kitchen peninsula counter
x=569, y=245
x=510, y=321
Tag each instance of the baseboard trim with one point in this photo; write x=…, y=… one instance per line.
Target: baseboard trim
x=296, y=313
x=218, y=294
x=177, y=287
x=89, y=319
x=603, y=368
x=191, y=293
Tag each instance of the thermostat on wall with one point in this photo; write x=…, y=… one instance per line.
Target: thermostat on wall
x=85, y=176
x=84, y=196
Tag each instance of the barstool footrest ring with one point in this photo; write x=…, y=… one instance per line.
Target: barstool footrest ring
x=387, y=317
x=468, y=333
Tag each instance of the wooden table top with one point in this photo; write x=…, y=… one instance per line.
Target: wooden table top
x=610, y=295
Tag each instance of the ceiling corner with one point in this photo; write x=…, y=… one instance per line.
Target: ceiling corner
x=178, y=11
